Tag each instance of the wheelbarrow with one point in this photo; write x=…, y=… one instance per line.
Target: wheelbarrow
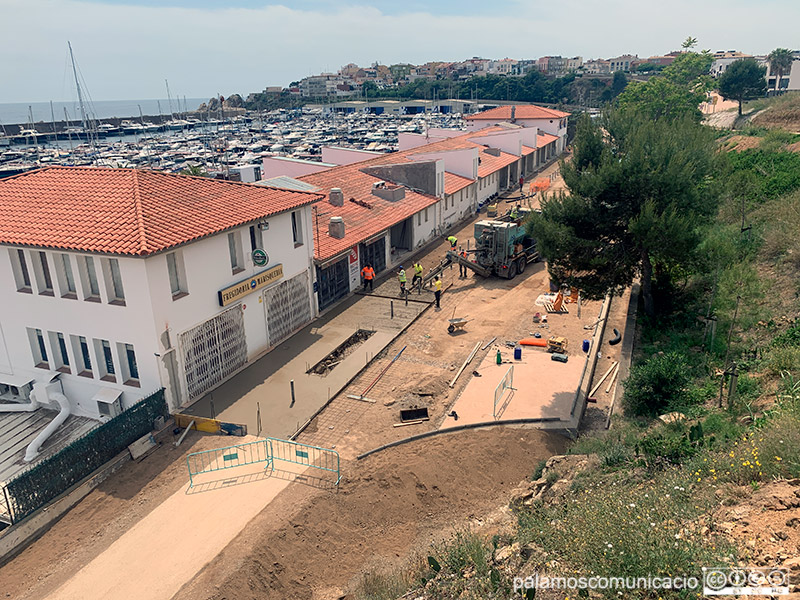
x=456, y=324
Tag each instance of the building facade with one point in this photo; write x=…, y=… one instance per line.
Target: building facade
x=145, y=280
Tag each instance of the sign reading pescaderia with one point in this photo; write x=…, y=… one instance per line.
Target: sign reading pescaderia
x=238, y=290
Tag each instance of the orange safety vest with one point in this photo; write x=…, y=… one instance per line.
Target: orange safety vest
x=368, y=273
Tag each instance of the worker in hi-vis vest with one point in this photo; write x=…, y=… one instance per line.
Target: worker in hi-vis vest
x=368, y=274
x=401, y=277
x=417, y=274
x=437, y=290
x=462, y=269
x=453, y=241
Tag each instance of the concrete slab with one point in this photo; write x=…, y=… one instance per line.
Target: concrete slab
x=266, y=383
x=544, y=389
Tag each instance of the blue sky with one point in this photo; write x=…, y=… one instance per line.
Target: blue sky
x=126, y=49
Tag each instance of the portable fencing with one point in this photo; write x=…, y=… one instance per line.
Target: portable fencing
x=506, y=383
x=208, y=461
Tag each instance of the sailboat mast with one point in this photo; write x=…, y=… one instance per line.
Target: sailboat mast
x=169, y=99
x=80, y=93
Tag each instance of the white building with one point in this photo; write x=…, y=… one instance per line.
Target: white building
x=546, y=120
x=123, y=281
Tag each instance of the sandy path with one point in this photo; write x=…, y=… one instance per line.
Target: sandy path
x=166, y=548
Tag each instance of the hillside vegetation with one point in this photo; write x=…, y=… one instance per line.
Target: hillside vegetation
x=655, y=496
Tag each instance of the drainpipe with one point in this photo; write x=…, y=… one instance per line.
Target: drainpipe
x=40, y=388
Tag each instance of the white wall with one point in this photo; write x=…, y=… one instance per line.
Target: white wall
x=148, y=312
x=507, y=141
x=275, y=166
x=346, y=156
x=424, y=225
x=129, y=324
x=486, y=186
x=461, y=162
x=208, y=270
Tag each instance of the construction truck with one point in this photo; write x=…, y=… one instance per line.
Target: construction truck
x=502, y=248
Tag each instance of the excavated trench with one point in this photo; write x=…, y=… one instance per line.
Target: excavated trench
x=342, y=351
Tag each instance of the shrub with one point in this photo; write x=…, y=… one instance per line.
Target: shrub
x=537, y=473
x=657, y=385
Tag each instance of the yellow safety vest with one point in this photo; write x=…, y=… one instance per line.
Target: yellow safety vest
x=402, y=276
x=418, y=269
x=438, y=285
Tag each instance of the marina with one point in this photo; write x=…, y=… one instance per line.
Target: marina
x=211, y=145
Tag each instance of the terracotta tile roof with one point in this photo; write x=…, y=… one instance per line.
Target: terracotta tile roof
x=545, y=138
x=490, y=163
x=523, y=111
x=128, y=211
x=528, y=150
x=361, y=222
x=453, y=182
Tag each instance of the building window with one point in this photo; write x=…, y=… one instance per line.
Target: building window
x=177, y=275
x=105, y=360
x=297, y=229
x=88, y=274
x=44, y=280
x=256, y=241
x=66, y=279
x=130, y=370
x=426, y=215
x=38, y=348
x=83, y=358
x=113, y=281
x=62, y=356
x=235, y=250
x=19, y=266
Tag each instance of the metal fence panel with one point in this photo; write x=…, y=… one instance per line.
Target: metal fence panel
x=43, y=482
x=507, y=383
x=208, y=461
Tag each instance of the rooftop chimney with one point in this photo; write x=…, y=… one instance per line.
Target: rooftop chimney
x=336, y=227
x=336, y=197
x=513, y=113
x=389, y=192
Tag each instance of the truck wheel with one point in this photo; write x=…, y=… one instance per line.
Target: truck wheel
x=521, y=264
x=512, y=270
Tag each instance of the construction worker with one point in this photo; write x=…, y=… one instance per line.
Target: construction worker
x=368, y=274
x=453, y=241
x=515, y=212
x=437, y=290
x=418, y=270
x=401, y=276
x=462, y=269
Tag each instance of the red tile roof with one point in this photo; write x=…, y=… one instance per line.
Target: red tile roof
x=523, y=111
x=545, y=138
x=360, y=222
x=453, y=182
x=128, y=211
x=490, y=163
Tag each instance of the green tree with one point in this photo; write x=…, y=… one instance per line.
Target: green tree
x=676, y=93
x=618, y=83
x=637, y=199
x=689, y=43
x=780, y=63
x=743, y=80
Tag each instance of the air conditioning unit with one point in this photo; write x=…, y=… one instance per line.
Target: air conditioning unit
x=109, y=403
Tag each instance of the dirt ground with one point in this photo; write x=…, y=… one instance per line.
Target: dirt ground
x=312, y=543
x=101, y=518
x=388, y=504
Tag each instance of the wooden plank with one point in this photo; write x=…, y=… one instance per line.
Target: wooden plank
x=613, y=377
x=417, y=422
x=466, y=362
x=602, y=379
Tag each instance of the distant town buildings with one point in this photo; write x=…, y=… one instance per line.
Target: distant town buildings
x=350, y=79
